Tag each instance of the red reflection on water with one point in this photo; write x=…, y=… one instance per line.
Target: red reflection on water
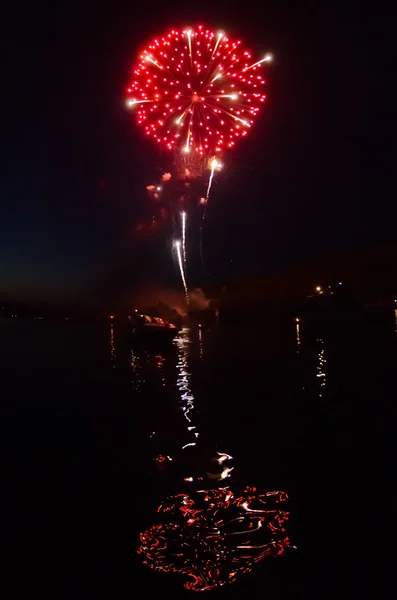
x=212, y=536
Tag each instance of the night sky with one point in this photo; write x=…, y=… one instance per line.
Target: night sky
x=74, y=165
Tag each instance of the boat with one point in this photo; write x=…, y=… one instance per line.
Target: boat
x=146, y=327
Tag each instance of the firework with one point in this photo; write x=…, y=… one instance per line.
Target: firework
x=215, y=165
x=196, y=90
x=177, y=244
x=183, y=218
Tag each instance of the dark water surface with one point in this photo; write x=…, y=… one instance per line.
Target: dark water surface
x=83, y=416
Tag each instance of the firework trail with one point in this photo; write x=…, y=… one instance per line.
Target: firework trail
x=183, y=217
x=215, y=166
x=181, y=269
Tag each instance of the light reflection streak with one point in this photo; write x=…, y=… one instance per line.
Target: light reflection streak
x=395, y=327
x=183, y=382
x=159, y=363
x=298, y=337
x=320, y=366
x=210, y=533
x=195, y=460
x=136, y=372
x=212, y=536
x=112, y=346
x=148, y=368
x=200, y=336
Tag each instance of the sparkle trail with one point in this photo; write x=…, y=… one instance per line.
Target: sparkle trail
x=177, y=245
x=183, y=218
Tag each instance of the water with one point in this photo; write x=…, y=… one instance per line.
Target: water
x=89, y=426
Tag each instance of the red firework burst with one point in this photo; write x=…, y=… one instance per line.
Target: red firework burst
x=196, y=90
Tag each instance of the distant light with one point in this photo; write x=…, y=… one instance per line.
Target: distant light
x=297, y=319
x=340, y=283
x=159, y=188
x=268, y=57
x=318, y=288
x=111, y=316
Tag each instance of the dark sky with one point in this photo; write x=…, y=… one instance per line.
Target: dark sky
x=74, y=166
